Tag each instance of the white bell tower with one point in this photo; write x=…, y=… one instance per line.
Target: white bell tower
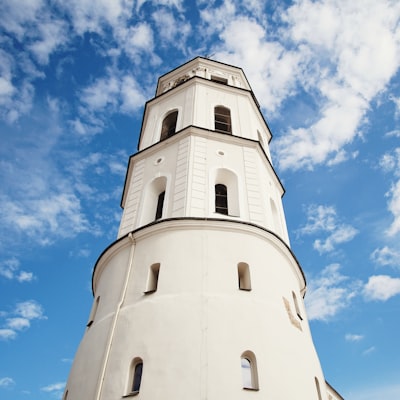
x=200, y=297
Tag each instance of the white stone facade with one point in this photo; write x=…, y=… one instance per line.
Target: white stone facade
x=199, y=298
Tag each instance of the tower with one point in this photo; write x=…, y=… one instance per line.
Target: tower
x=200, y=297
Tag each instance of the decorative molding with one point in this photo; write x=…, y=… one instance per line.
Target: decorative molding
x=295, y=322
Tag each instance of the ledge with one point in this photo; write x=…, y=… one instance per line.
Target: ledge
x=130, y=394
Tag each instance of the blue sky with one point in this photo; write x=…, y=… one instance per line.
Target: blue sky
x=74, y=76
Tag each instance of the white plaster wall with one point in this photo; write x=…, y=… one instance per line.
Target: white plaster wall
x=192, y=331
x=195, y=101
x=190, y=161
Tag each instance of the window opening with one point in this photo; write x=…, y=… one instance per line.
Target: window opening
x=160, y=205
x=219, y=79
x=152, y=281
x=222, y=119
x=296, y=305
x=221, y=199
x=318, y=388
x=249, y=371
x=244, y=276
x=65, y=395
x=93, y=311
x=168, y=128
x=137, y=372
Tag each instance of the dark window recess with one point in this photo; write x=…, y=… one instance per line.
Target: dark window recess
x=218, y=79
x=244, y=276
x=160, y=205
x=168, y=128
x=221, y=199
x=137, y=377
x=152, y=281
x=223, y=119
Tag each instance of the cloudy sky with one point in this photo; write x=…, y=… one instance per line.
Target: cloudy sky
x=74, y=76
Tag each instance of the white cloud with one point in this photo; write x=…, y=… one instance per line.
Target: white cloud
x=386, y=256
x=10, y=269
x=96, y=15
x=245, y=44
x=114, y=92
x=396, y=101
x=24, y=276
x=346, y=64
x=329, y=293
x=6, y=382
x=18, y=323
x=51, y=35
x=215, y=19
x=30, y=309
x=20, y=318
x=40, y=33
x=394, y=208
x=343, y=234
x=18, y=15
x=381, y=287
x=132, y=98
x=136, y=41
x=7, y=334
x=323, y=219
x=172, y=31
x=54, y=387
x=16, y=96
x=58, y=214
x=369, y=350
x=394, y=133
x=390, y=162
x=351, y=337
x=101, y=93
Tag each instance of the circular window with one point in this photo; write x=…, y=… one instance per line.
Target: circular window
x=220, y=153
x=159, y=160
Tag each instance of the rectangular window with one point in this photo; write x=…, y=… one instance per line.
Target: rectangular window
x=221, y=199
x=244, y=276
x=219, y=79
x=160, y=205
x=152, y=280
x=222, y=117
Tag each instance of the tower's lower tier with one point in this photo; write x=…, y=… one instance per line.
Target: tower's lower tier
x=197, y=309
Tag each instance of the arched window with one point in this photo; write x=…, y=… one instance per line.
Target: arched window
x=318, y=389
x=154, y=201
x=249, y=371
x=160, y=205
x=152, y=280
x=244, y=276
x=93, y=311
x=135, y=376
x=226, y=188
x=222, y=118
x=296, y=305
x=168, y=127
x=221, y=199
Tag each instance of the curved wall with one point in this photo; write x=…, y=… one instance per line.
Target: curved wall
x=191, y=332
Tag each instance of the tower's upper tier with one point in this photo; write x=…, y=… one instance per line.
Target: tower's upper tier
x=205, y=94
x=203, y=68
